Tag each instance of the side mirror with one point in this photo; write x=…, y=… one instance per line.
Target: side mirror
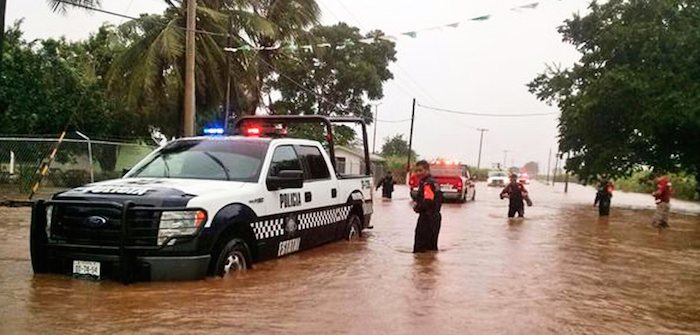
x=285, y=179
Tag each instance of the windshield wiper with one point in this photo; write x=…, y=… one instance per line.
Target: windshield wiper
x=218, y=162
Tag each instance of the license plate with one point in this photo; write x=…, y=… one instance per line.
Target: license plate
x=446, y=188
x=86, y=268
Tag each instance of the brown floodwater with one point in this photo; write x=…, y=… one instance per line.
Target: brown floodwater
x=561, y=270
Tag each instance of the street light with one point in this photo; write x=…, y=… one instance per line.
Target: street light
x=92, y=175
x=376, y=115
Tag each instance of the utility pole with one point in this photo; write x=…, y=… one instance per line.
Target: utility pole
x=554, y=173
x=189, y=117
x=481, y=141
x=227, y=106
x=2, y=31
x=374, y=139
x=410, y=137
x=505, y=157
x=549, y=165
x=566, y=179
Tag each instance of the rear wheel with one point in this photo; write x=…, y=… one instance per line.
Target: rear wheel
x=234, y=257
x=354, y=230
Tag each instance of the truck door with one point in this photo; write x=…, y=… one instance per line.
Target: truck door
x=320, y=195
x=283, y=206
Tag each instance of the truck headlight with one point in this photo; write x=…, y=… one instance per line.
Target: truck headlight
x=179, y=223
x=49, y=217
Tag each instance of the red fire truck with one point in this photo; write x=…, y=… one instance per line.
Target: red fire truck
x=454, y=179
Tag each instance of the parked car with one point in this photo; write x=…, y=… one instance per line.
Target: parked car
x=497, y=178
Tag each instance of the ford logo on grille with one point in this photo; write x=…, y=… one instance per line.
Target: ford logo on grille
x=95, y=221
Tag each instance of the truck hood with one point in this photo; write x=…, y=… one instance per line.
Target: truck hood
x=143, y=186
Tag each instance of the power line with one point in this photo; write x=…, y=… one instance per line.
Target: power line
x=99, y=10
x=484, y=114
x=421, y=90
x=394, y=121
x=201, y=32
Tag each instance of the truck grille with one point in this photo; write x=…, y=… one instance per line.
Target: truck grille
x=102, y=225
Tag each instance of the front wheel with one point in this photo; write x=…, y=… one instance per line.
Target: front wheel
x=474, y=195
x=354, y=230
x=234, y=257
x=38, y=238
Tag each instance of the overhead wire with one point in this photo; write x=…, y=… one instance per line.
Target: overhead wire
x=409, y=94
x=451, y=111
x=199, y=32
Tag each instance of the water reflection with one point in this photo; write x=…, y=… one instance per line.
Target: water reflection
x=561, y=270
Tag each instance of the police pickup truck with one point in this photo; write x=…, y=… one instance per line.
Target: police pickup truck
x=206, y=206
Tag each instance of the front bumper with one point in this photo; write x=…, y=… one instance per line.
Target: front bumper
x=497, y=183
x=127, y=256
x=134, y=267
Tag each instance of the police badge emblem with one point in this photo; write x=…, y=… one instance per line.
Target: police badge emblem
x=291, y=225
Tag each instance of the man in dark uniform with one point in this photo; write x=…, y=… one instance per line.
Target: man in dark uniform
x=516, y=192
x=387, y=185
x=427, y=205
x=603, y=197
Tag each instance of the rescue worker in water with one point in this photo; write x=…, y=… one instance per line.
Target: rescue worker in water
x=603, y=197
x=427, y=204
x=387, y=184
x=516, y=193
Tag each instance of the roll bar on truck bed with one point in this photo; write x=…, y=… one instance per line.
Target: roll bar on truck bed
x=311, y=119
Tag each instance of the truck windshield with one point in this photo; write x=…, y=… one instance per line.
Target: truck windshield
x=216, y=159
x=497, y=174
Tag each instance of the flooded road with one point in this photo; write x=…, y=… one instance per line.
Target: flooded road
x=561, y=270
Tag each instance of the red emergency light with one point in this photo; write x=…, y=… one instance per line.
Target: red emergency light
x=253, y=131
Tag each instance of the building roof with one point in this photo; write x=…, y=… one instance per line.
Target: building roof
x=358, y=152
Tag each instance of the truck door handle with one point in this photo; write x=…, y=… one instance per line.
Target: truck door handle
x=334, y=193
x=307, y=197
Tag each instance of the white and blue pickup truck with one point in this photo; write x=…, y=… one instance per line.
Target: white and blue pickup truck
x=206, y=206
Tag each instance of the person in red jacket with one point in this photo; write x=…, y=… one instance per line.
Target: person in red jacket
x=662, y=195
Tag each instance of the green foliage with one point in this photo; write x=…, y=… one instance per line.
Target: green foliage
x=63, y=5
x=51, y=85
x=397, y=166
x=149, y=74
x=684, y=185
x=633, y=99
x=334, y=82
x=396, y=146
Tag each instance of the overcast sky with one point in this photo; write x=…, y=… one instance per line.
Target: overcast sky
x=481, y=66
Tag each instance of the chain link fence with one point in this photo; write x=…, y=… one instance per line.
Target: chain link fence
x=21, y=157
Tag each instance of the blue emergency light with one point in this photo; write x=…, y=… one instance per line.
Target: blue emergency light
x=214, y=131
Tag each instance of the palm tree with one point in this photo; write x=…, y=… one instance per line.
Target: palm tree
x=61, y=6
x=150, y=71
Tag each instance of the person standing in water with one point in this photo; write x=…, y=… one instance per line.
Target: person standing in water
x=387, y=184
x=428, y=203
x=603, y=197
x=662, y=195
x=517, y=193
